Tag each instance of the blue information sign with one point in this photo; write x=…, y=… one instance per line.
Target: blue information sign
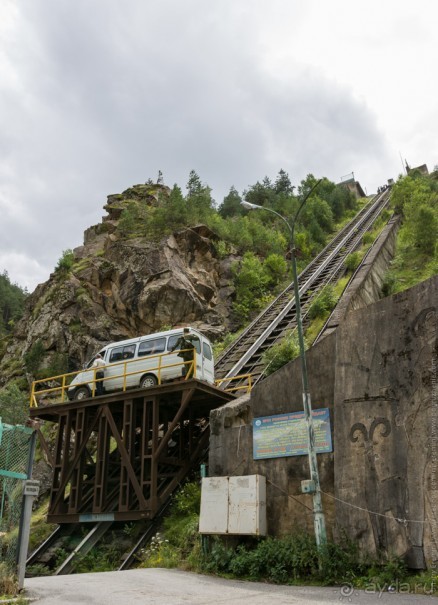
x=287, y=434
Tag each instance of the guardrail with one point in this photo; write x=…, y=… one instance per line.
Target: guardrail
x=66, y=379
x=240, y=387
x=58, y=392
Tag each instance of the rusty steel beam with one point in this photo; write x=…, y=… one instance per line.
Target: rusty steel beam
x=159, y=434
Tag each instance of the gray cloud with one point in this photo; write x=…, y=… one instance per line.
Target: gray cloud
x=103, y=95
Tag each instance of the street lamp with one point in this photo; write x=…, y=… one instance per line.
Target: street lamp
x=314, y=487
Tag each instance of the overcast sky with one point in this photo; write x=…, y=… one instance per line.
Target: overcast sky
x=98, y=95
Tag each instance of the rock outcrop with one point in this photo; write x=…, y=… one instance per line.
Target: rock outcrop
x=120, y=286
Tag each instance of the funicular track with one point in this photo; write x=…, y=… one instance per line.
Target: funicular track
x=242, y=357
x=245, y=354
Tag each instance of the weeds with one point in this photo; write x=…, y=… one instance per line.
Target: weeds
x=8, y=581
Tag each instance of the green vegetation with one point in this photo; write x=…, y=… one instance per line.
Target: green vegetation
x=65, y=263
x=323, y=303
x=34, y=357
x=415, y=197
x=14, y=404
x=281, y=353
x=179, y=543
x=37, y=365
x=322, y=311
x=353, y=260
x=12, y=299
x=40, y=530
x=8, y=582
x=255, y=280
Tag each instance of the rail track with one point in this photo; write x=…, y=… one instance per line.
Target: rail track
x=244, y=356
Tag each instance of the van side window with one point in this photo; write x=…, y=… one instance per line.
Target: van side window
x=128, y=352
x=207, y=351
x=116, y=355
x=152, y=347
x=122, y=353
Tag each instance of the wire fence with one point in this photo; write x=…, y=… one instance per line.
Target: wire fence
x=15, y=456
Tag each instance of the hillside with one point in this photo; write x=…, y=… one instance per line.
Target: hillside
x=114, y=287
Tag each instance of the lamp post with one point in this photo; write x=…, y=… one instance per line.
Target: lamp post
x=314, y=486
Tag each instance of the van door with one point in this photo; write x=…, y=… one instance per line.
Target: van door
x=115, y=368
x=150, y=360
x=207, y=362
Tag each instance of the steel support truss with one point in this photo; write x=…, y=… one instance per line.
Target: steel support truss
x=119, y=457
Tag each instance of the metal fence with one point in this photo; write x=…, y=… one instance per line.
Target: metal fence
x=16, y=451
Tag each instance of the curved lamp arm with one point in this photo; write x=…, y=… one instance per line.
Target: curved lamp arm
x=290, y=226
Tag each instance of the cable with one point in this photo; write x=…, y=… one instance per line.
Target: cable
x=289, y=495
x=365, y=510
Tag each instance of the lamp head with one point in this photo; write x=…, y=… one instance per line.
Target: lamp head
x=250, y=206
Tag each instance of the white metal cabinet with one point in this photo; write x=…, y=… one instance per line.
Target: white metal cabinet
x=233, y=505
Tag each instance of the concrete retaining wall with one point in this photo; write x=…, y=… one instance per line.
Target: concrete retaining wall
x=386, y=424
x=378, y=376
x=366, y=284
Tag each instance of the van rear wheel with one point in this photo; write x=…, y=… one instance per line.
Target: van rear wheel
x=82, y=393
x=148, y=381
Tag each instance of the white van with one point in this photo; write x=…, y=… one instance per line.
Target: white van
x=144, y=362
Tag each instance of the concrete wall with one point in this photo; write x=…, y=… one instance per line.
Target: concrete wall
x=386, y=424
x=377, y=375
x=365, y=287
x=231, y=439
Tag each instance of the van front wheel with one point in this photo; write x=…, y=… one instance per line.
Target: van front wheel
x=81, y=393
x=148, y=381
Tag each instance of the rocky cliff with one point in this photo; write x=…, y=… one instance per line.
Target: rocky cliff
x=117, y=286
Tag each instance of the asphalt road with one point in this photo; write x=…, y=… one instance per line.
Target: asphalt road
x=174, y=587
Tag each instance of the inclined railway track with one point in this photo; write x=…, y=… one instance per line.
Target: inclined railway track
x=244, y=356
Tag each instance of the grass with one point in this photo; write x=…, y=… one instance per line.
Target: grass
x=409, y=267
x=39, y=528
x=317, y=323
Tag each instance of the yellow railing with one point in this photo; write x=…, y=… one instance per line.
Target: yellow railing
x=240, y=387
x=66, y=379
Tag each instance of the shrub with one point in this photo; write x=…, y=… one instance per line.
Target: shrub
x=275, y=266
x=8, y=582
x=39, y=569
x=34, y=357
x=323, y=303
x=288, y=560
x=367, y=238
x=352, y=261
x=181, y=539
x=66, y=261
x=13, y=404
x=281, y=353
